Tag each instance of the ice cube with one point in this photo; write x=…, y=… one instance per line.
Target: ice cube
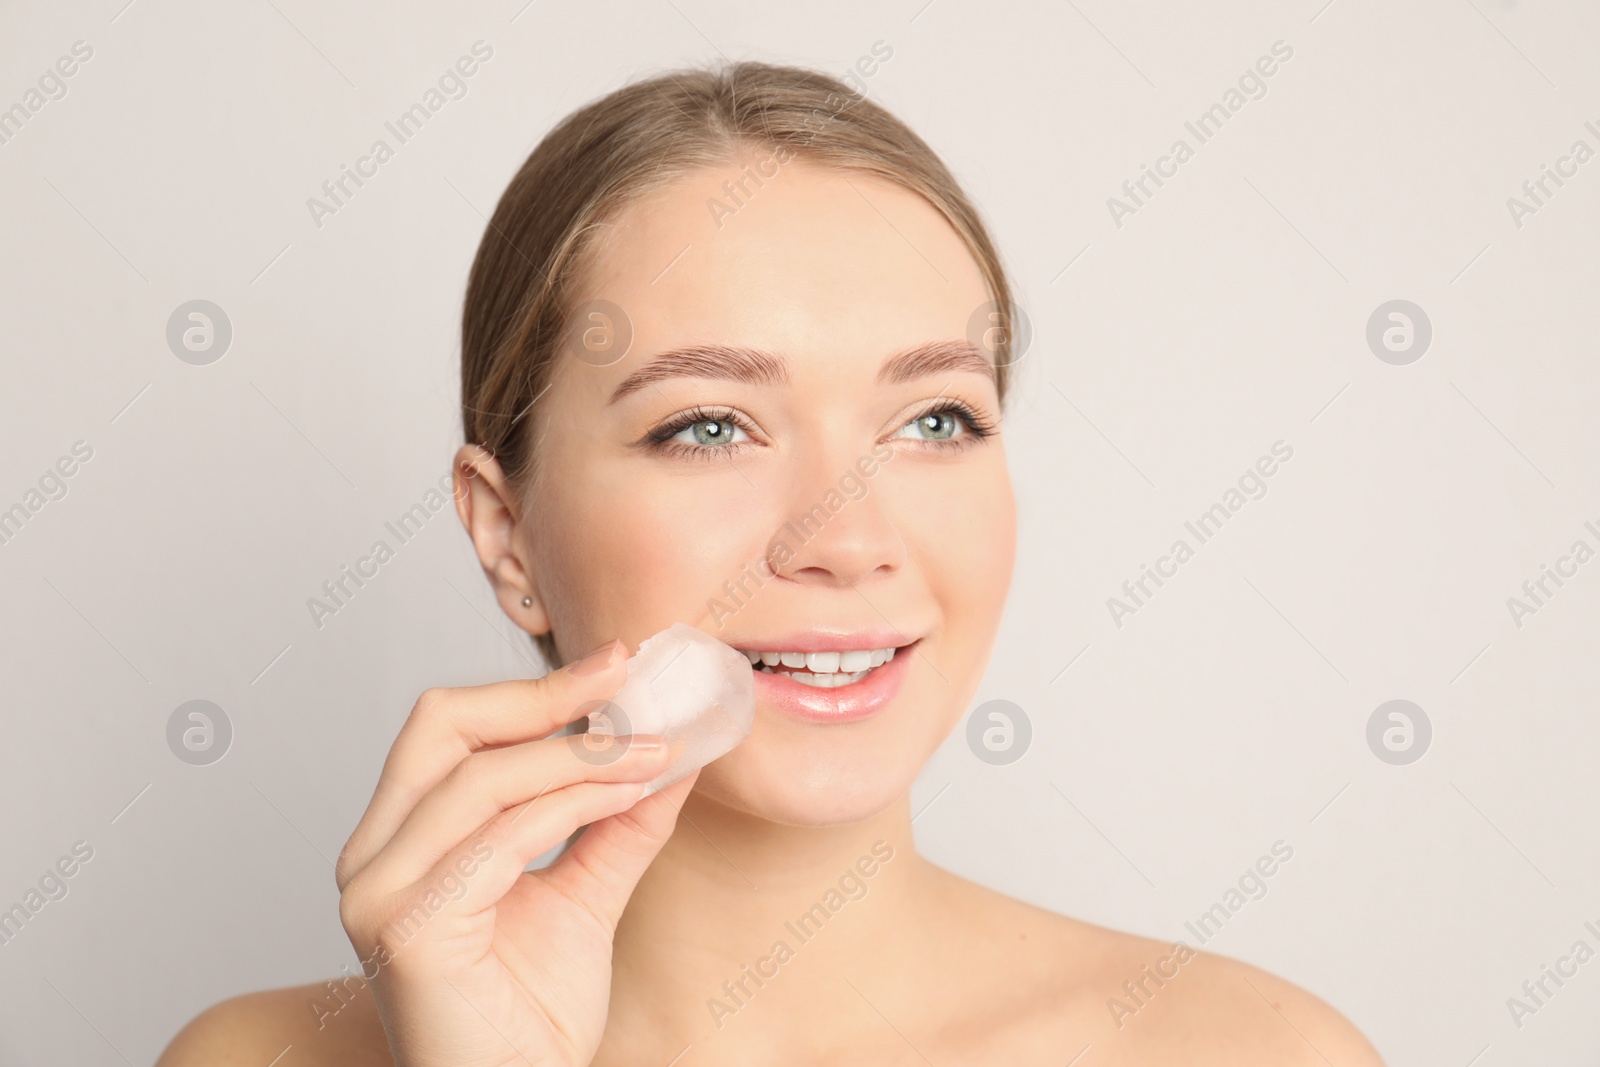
x=689, y=687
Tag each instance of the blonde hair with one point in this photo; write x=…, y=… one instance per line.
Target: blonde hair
x=618, y=149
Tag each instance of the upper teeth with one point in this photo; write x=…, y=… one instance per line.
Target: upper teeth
x=824, y=662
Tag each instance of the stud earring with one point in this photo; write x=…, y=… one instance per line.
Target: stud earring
x=527, y=601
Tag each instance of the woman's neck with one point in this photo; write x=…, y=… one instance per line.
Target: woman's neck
x=724, y=915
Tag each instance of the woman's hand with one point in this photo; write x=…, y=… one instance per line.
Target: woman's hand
x=472, y=960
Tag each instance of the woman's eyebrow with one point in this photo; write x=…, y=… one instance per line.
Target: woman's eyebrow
x=707, y=361
x=936, y=357
x=755, y=367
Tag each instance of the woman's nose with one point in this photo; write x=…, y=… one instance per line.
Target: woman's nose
x=839, y=532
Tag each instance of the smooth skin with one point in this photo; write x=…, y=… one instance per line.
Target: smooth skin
x=619, y=952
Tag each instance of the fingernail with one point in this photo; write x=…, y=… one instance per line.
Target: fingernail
x=647, y=742
x=596, y=661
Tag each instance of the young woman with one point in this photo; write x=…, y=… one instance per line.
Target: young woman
x=733, y=355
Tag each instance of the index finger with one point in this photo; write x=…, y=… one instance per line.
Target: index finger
x=447, y=725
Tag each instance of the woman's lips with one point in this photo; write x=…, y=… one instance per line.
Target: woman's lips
x=845, y=703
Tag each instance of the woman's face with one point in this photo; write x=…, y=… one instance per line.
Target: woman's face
x=775, y=462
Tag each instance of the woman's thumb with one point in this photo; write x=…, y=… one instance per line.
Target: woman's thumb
x=606, y=862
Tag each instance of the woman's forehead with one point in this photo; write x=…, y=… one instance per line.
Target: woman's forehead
x=816, y=259
x=830, y=223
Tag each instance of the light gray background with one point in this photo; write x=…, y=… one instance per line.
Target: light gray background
x=1170, y=353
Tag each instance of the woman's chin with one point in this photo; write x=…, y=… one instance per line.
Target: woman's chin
x=816, y=791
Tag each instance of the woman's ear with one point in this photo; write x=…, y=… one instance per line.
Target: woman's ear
x=489, y=510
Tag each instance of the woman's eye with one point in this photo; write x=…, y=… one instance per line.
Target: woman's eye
x=711, y=432
x=934, y=426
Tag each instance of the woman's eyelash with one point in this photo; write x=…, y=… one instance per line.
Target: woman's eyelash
x=979, y=425
x=663, y=434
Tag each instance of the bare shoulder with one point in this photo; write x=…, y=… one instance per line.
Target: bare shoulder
x=1134, y=999
x=1218, y=1009
x=1160, y=999
x=304, y=1025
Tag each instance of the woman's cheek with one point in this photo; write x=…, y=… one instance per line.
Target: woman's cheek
x=967, y=562
x=668, y=540
x=967, y=540
x=984, y=539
